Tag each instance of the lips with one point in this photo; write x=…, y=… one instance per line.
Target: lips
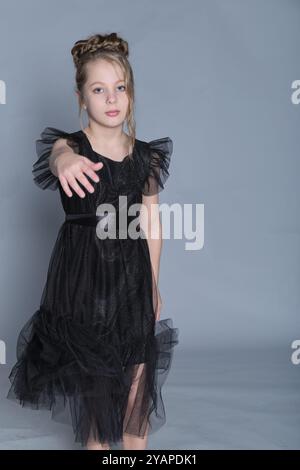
x=114, y=112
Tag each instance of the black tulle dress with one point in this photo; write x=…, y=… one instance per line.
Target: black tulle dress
x=93, y=352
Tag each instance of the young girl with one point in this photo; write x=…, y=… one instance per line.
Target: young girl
x=96, y=353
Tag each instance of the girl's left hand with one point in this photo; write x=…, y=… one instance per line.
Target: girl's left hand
x=159, y=306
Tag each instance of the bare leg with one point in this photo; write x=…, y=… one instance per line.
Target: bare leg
x=93, y=444
x=135, y=443
x=131, y=442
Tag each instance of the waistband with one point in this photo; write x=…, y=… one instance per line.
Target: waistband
x=93, y=219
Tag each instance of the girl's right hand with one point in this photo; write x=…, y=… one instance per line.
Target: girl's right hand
x=70, y=168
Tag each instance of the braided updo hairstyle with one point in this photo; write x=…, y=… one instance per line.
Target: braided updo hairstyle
x=113, y=49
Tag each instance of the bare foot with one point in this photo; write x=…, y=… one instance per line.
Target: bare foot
x=94, y=445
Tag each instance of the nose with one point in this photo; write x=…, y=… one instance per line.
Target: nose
x=111, y=98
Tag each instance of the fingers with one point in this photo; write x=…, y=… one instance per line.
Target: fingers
x=94, y=166
x=91, y=173
x=71, y=180
x=65, y=186
x=86, y=170
x=73, y=183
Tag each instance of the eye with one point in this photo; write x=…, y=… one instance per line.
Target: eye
x=99, y=88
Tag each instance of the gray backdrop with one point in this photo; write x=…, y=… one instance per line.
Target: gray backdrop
x=215, y=76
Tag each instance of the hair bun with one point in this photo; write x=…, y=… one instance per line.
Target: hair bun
x=97, y=42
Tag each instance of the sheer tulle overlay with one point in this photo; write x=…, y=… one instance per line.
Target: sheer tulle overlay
x=94, y=353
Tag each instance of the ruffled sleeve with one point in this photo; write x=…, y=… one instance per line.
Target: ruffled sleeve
x=160, y=151
x=42, y=175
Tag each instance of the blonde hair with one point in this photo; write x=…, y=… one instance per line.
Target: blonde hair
x=114, y=49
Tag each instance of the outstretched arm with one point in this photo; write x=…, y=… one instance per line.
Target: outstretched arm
x=71, y=167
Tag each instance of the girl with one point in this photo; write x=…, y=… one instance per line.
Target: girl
x=96, y=353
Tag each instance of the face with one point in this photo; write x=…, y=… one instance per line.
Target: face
x=105, y=91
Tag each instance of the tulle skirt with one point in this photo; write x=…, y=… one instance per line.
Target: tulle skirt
x=93, y=352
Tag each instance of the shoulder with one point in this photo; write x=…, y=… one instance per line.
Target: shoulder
x=161, y=148
x=154, y=161
x=50, y=136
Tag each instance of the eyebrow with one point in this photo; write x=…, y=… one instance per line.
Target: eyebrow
x=103, y=83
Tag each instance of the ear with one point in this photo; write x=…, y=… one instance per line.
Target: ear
x=79, y=98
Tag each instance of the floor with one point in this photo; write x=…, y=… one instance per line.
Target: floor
x=214, y=399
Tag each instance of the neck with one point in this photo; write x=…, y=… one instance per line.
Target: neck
x=109, y=136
